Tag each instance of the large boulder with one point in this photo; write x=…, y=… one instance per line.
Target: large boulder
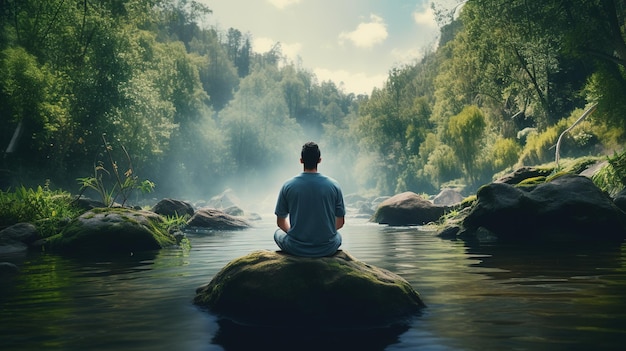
x=569, y=207
x=212, y=218
x=273, y=289
x=112, y=230
x=173, y=207
x=407, y=208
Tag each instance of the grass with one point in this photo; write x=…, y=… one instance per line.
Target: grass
x=48, y=209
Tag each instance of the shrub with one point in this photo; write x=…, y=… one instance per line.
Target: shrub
x=612, y=178
x=47, y=209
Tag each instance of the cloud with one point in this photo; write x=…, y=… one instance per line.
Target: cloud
x=281, y=4
x=262, y=44
x=289, y=50
x=357, y=83
x=366, y=34
x=425, y=17
x=404, y=56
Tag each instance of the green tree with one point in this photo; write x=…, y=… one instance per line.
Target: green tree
x=393, y=123
x=464, y=134
x=24, y=86
x=217, y=72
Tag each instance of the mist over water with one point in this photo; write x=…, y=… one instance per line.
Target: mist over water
x=256, y=189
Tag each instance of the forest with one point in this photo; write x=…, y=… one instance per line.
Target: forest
x=140, y=90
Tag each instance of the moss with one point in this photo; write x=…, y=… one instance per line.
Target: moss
x=275, y=288
x=113, y=230
x=531, y=182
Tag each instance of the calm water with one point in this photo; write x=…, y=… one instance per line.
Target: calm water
x=479, y=298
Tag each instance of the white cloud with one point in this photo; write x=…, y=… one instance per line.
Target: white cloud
x=289, y=50
x=366, y=34
x=425, y=17
x=281, y=4
x=408, y=55
x=262, y=45
x=357, y=83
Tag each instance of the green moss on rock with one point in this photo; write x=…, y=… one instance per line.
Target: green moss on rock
x=112, y=230
x=274, y=289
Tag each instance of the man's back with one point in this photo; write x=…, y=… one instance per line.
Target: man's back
x=312, y=201
x=309, y=210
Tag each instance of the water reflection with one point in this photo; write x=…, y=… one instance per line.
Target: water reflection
x=234, y=337
x=479, y=297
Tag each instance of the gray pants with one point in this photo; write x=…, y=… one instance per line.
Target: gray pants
x=298, y=248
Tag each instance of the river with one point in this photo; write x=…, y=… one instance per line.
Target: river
x=484, y=297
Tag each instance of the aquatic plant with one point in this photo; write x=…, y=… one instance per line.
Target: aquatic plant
x=122, y=186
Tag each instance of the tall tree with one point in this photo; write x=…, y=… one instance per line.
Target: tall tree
x=464, y=134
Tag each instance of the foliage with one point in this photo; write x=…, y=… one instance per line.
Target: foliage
x=538, y=146
x=618, y=162
x=199, y=110
x=122, y=187
x=612, y=177
x=464, y=133
x=49, y=210
x=504, y=153
x=606, y=86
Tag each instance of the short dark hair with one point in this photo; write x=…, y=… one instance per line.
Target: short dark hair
x=310, y=155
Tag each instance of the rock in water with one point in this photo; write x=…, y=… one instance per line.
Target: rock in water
x=112, y=230
x=407, y=208
x=267, y=288
x=216, y=219
x=173, y=207
x=568, y=208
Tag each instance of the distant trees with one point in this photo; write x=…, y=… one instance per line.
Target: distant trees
x=197, y=109
x=194, y=106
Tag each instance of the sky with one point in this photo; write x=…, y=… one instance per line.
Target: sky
x=354, y=43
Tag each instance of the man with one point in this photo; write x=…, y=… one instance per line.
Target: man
x=309, y=210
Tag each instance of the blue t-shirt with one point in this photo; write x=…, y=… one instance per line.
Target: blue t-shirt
x=312, y=201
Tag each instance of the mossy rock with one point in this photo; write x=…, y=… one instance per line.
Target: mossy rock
x=569, y=208
x=407, y=208
x=273, y=289
x=112, y=230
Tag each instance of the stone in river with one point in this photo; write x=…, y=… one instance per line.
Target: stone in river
x=267, y=288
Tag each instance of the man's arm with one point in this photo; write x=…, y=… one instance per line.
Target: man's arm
x=283, y=223
x=339, y=222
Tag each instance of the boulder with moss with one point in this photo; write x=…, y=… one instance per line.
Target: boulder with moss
x=566, y=208
x=273, y=289
x=112, y=230
x=407, y=208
